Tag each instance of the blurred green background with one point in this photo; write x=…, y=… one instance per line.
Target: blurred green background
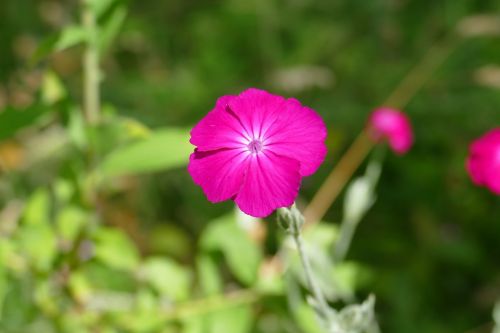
x=110, y=208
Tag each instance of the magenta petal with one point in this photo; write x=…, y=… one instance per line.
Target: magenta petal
x=492, y=176
x=254, y=148
x=219, y=128
x=257, y=109
x=394, y=126
x=220, y=173
x=483, y=163
x=272, y=181
x=284, y=125
x=298, y=133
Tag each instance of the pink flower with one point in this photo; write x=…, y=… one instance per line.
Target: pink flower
x=483, y=163
x=255, y=148
x=393, y=126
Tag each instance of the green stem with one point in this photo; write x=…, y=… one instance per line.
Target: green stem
x=313, y=286
x=348, y=163
x=124, y=302
x=293, y=221
x=416, y=78
x=212, y=304
x=91, y=94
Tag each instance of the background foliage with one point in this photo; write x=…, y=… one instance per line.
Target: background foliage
x=102, y=229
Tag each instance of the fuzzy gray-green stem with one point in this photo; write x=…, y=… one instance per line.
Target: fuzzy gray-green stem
x=292, y=221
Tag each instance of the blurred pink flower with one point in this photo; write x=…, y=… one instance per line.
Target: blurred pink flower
x=483, y=163
x=391, y=125
x=254, y=148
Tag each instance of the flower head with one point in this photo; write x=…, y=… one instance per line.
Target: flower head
x=483, y=163
x=393, y=126
x=255, y=148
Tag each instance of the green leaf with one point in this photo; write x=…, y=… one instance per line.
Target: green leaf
x=146, y=315
x=76, y=128
x=307, y=319
x=38, y=208
x=71, y=36
x=111, y=26
x=18, y=308
x=302, y=312
x=77, y=321
x=70, y=221
x=79, y=286
x=41, y=324
x=52, y=88
x=168, y=278
x=318, y=243
x=39, y=243
x=45, y=296
x=164, y=149
x=208, y=275
x=10, y=256
x=193, y=325
x=63, y=190
x=4, y=287
x=346, y=275
x=114, y=132
x=100, y=277
x=236, y=319
x=242, y=254
x=323, y=234
x=13, y=120
x=99, y=7
x=270, y=281
x=115, y=249
x=134, y=129
x=170, y=240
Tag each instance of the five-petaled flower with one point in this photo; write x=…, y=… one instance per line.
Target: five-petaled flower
x=483, y=163
x=391, y=125
x=255, y=148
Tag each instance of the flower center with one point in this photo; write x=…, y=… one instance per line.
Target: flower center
x=255, y=146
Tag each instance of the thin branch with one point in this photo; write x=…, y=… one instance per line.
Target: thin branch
x=357, y=152
x=337, y=179
x=125, y=302
x=91, y=94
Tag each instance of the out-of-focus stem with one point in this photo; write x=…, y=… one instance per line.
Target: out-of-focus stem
x=91, y=93
x=91, y=98
x=214, y=303
x=337, y=179
x=419, y=74
x=123, y=302
x=358, y=151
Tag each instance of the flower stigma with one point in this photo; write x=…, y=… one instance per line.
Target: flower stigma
x=255, y=146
